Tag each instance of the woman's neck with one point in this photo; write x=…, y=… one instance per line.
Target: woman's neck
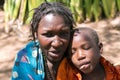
x=97, y=74
x=53, y=68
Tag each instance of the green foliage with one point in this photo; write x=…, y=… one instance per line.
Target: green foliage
x=118, y=4
x=96, y=9
x=83, y=10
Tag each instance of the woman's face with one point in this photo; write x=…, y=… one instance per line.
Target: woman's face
x=85, y=52
x=53, y=35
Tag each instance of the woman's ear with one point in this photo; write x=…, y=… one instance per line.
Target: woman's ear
x=100, y=47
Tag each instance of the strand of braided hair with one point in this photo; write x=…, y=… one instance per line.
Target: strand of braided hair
x=44, y=9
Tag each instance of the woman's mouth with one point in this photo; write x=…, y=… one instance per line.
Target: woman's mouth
x=54, y=53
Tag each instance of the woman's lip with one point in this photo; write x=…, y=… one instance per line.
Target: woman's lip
x=54, y=53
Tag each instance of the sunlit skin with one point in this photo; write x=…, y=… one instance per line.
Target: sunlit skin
x=86, y=55
x=53, y=35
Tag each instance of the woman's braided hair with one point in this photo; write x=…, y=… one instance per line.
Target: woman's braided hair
x=54, y=8
x=51, y=7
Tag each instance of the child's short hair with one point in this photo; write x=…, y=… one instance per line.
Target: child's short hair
x=92, y=32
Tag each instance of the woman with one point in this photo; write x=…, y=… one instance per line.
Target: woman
x=51, y=27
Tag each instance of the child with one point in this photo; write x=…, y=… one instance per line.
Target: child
x=86, y=62
x=51, y=27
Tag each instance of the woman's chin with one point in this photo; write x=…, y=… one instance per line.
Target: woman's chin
x=55, y=57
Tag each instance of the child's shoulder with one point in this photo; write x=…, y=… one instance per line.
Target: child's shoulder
x=67, y=65
x=64, y=62
x=106, y=64
x=110, y=69
x=118, y=68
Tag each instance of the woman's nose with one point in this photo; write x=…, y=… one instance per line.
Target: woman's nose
x=56, y=41
x=80, y=55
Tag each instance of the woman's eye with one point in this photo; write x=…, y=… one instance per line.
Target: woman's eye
x=48, y=34
x=64, y=33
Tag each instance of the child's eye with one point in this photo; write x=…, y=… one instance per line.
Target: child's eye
x=76, y=33
x=86, y=47
x=73, y=51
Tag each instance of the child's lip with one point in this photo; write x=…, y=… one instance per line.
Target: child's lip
x=85, y=63
x=84, y=66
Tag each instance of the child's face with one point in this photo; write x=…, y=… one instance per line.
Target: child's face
x=85, y=52
x=53, y=35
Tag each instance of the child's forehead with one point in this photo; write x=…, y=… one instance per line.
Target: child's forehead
x=88, y=33
x=83, y=34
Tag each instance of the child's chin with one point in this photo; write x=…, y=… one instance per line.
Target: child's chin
x=86, y=70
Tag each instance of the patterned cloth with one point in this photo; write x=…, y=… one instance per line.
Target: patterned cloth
x=69, y=72
x=29, y=63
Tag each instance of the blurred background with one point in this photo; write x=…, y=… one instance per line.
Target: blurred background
x=15, y=16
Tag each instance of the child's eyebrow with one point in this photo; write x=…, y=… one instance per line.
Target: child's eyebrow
x=65, y=28
x=76, y=30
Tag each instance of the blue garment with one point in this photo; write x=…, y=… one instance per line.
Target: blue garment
x=29, y=63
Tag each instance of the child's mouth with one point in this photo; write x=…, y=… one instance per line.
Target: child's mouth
x=84, y=66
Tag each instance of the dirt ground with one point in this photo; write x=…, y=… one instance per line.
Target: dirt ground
x=15, y=40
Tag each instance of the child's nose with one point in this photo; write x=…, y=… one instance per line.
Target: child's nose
x=80, y=55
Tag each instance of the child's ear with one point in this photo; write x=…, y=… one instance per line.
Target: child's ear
x=100, y=47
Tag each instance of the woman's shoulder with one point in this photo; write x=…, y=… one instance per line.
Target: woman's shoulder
x=29, y=51
x=27, y=48
x=65, y=65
